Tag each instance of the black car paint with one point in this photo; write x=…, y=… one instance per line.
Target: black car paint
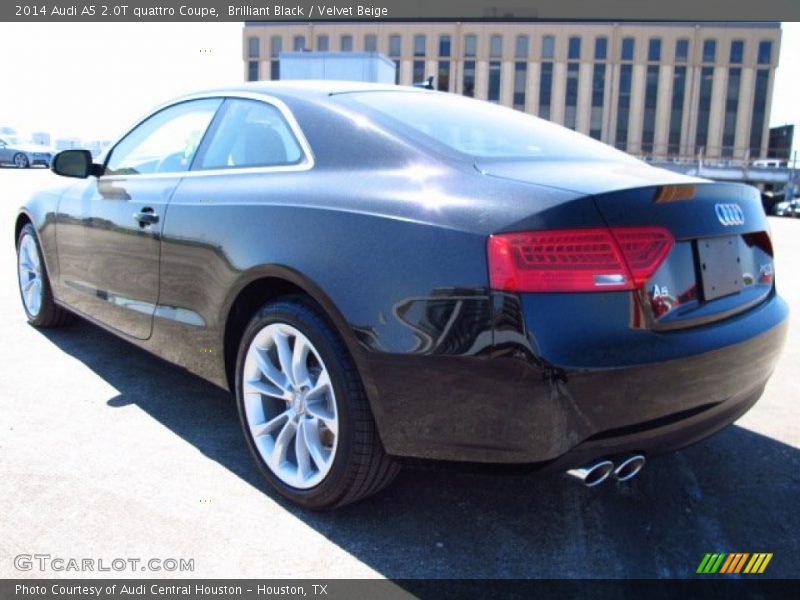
x=389, y=238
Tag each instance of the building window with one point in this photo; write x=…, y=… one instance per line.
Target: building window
x=780, y=142
x=275, y=48
x=419, y=45
x=545, y=90
x=252, y=70
x=624, y=102
x=253, y=47
x=520, y=82
x=521, y=53
x=654, y=50
x=521, y=47
x=495, y=51
x=598, y=88
x=470, y=45
x=548, y=46
x=323, y=43
x=676, y=109
x=600, y=48
x=395, y=45
x=299, y=43
x=371, y=42
x=650, y=98
x=650, y=95
x=470, y=50
x=443, y=68
x=704, y=106
x=395, y=51
x=759, y=111
x=626, y=51
x=737, y=52
x=571, y=99
x=598, y=100
x=444, y=45
x=494, y=81
x=681, y=51
x=573, y=68
x=419, y=65
x=419, y=71
x=443, y=76
x=731, y=108
x=346, y=43
x=469, y=78
x=764, y=52
x=496, y=46
x=574, y=48
x=709, y=51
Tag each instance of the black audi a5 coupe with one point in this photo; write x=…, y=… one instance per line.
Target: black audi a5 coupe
x=379, y=272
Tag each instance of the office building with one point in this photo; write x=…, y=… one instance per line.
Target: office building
x=652, y=89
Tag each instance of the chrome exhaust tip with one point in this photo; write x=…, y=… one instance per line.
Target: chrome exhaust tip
x=629, y=468
x=594, y=474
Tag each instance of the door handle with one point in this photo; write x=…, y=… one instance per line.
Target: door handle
x=146, y=216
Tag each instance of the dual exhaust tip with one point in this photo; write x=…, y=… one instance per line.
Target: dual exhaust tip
x=597, y=473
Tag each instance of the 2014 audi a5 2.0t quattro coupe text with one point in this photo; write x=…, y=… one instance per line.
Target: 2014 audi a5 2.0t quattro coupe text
x=383, y=272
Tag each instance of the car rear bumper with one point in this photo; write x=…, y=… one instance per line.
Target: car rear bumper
x=513, y=407
x=660, y=436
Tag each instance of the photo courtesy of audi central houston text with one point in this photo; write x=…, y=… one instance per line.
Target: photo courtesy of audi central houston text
x=380, y=272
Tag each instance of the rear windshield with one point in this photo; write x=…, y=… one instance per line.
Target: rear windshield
x=484, y=130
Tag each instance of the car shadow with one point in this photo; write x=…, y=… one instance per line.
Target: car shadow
x=736, y=492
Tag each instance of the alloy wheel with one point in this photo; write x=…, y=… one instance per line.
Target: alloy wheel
x=290, y=405
x=29, y=269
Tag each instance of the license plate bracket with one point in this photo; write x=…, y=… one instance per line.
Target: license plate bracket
x=720, y=266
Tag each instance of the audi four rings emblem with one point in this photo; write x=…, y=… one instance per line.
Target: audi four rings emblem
x=729, y=214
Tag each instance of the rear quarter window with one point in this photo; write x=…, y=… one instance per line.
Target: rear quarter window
x=249, y=133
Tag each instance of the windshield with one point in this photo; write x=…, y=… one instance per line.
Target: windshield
x=484, y=130
x=10, y=139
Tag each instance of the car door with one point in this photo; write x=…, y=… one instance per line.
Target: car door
x=108, y=229
x=252, y=161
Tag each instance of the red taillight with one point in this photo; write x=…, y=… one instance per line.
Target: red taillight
x=760, y=240
x=644, y=249
x=577, y=260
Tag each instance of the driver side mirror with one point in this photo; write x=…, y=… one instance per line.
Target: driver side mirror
x=75, y=163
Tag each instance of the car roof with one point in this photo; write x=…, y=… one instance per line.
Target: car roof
x=309, y=89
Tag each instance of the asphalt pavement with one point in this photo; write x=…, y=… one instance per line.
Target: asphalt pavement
x=108, y=452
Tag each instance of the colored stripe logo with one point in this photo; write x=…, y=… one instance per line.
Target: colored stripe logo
x=735, y=562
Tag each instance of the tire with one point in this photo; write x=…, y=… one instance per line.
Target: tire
x=338, y=457
x=34, y=284
x=21, y=161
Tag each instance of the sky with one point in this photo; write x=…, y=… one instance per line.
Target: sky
x=93, y=81
x=786, y=94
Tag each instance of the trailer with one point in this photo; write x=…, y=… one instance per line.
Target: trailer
x=342, y=66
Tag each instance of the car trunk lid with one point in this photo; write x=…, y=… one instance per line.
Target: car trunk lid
x=721, y=263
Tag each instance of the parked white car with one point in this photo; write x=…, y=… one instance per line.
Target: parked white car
x=14, y=151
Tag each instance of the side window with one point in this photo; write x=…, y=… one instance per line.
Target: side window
x=249, y=134
x=165, y=142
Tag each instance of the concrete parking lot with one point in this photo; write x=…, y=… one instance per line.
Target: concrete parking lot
x=107, y=452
